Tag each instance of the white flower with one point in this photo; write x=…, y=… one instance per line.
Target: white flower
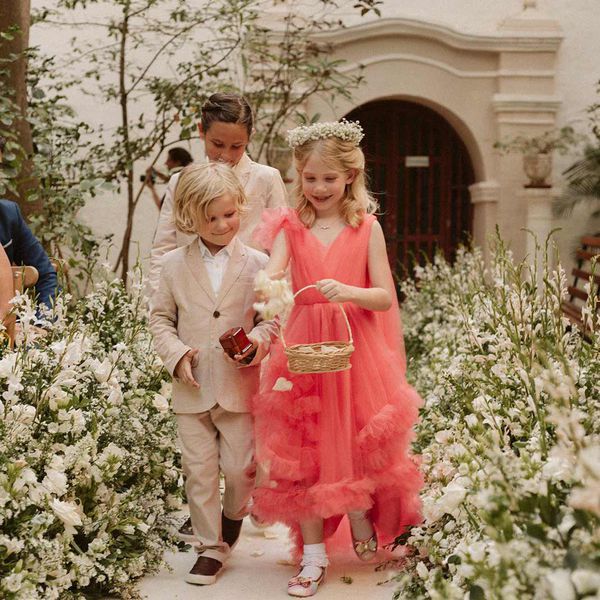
x=589, y=459
x=348, y=131
x=12, y=545
x=55, y=482
x=115, y=397
x=560, y=586
x=101, y=370
x=454, y=494
x=160, y=403
x=471, y=421
x=7, y=364
x=68, y=513
x=422, y=570
x=586, y=582
x=443, y=437
x=282, y=385
x=24, y=413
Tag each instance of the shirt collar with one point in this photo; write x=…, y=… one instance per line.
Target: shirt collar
x=243, y=165
x=205, y=252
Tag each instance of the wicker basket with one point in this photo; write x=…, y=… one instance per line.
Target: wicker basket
x=320, y=357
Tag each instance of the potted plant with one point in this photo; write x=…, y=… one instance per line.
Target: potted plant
x=537, y=152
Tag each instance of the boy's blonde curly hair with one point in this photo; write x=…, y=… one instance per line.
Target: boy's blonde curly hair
x=198, y=186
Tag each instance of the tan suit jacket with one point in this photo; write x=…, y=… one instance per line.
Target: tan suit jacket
x=186, y=314
x=264, y=189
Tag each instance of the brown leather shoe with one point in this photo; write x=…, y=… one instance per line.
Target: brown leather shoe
x=230, y=530
x=205, y=571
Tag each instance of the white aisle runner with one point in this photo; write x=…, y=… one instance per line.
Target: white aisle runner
x=259, y=569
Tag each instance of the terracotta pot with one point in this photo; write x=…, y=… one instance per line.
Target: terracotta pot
x=538, y=168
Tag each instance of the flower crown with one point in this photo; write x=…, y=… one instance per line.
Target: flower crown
x=348, y=131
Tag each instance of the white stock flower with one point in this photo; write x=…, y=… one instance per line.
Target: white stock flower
x=160, y=403
x=69, y=513
x=8, y=364
x=422, y=570
x=55, y=482
x=101, y=370
x=115, y=397
x=560, y=585
x=443, y=436
x=586, y=581
x=453, y=495
x=23, y=413
x=471, y=421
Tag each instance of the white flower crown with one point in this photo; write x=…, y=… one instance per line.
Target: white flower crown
x=348, y=131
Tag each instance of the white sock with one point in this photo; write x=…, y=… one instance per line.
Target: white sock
x=313, y=560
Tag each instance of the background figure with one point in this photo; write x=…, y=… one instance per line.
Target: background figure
x=23, y=248
x=226, y=127
x=177, y=158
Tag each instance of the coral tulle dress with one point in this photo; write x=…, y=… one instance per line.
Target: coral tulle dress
x=336, y=442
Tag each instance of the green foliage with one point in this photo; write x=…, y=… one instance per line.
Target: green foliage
x=88, y=458
x=510, y=430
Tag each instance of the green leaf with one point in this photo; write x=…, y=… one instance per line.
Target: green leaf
x=476, y=593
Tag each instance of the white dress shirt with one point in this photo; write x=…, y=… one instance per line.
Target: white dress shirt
x=216, y=264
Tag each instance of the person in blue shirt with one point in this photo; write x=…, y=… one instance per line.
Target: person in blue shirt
x=23, y=248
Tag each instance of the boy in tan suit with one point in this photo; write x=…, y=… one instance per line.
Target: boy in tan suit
x=206, y=288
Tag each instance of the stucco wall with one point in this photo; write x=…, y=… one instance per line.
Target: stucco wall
x=577, y=72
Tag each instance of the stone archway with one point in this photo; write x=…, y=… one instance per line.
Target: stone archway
x=420, y=171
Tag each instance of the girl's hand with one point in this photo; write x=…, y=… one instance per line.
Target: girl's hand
x=335, y=291
x=183, y=370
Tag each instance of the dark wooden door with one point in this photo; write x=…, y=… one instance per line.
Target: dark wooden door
x=419, y=171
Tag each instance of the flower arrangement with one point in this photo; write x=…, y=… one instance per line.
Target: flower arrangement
x=276, y=295
x=510, y=435
x=88, y=458
x=348, y=131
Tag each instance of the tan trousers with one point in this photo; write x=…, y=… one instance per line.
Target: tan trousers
x=214, y=441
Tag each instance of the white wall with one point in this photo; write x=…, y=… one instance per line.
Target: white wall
x=578, y=70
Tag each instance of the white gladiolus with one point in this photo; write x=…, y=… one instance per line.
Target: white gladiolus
x=55, y=482
x=68, y=513
x=160, y=403
x=586, y=581
x=422, y=570
x=560, y=585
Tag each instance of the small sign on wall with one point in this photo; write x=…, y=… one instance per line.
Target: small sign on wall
x=416, y=162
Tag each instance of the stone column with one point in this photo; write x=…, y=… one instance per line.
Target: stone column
x=484, y=197
x=538, y=202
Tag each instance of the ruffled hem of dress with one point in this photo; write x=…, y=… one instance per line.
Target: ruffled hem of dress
x=272, y=221
x=323, y=500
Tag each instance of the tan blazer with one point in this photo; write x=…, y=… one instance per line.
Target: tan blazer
x=264, y=189
x=185, y=314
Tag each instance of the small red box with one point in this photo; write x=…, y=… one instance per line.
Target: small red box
x=235, y=341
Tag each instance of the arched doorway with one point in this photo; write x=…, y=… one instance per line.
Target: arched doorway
x=420, y=172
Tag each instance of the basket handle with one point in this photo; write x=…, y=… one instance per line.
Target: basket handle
x=306, y=287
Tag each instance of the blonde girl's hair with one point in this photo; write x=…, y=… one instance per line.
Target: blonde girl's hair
x=198, y=186
x=343, y=156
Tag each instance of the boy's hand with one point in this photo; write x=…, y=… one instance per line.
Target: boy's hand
x=183, y=370
x=260, y=354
